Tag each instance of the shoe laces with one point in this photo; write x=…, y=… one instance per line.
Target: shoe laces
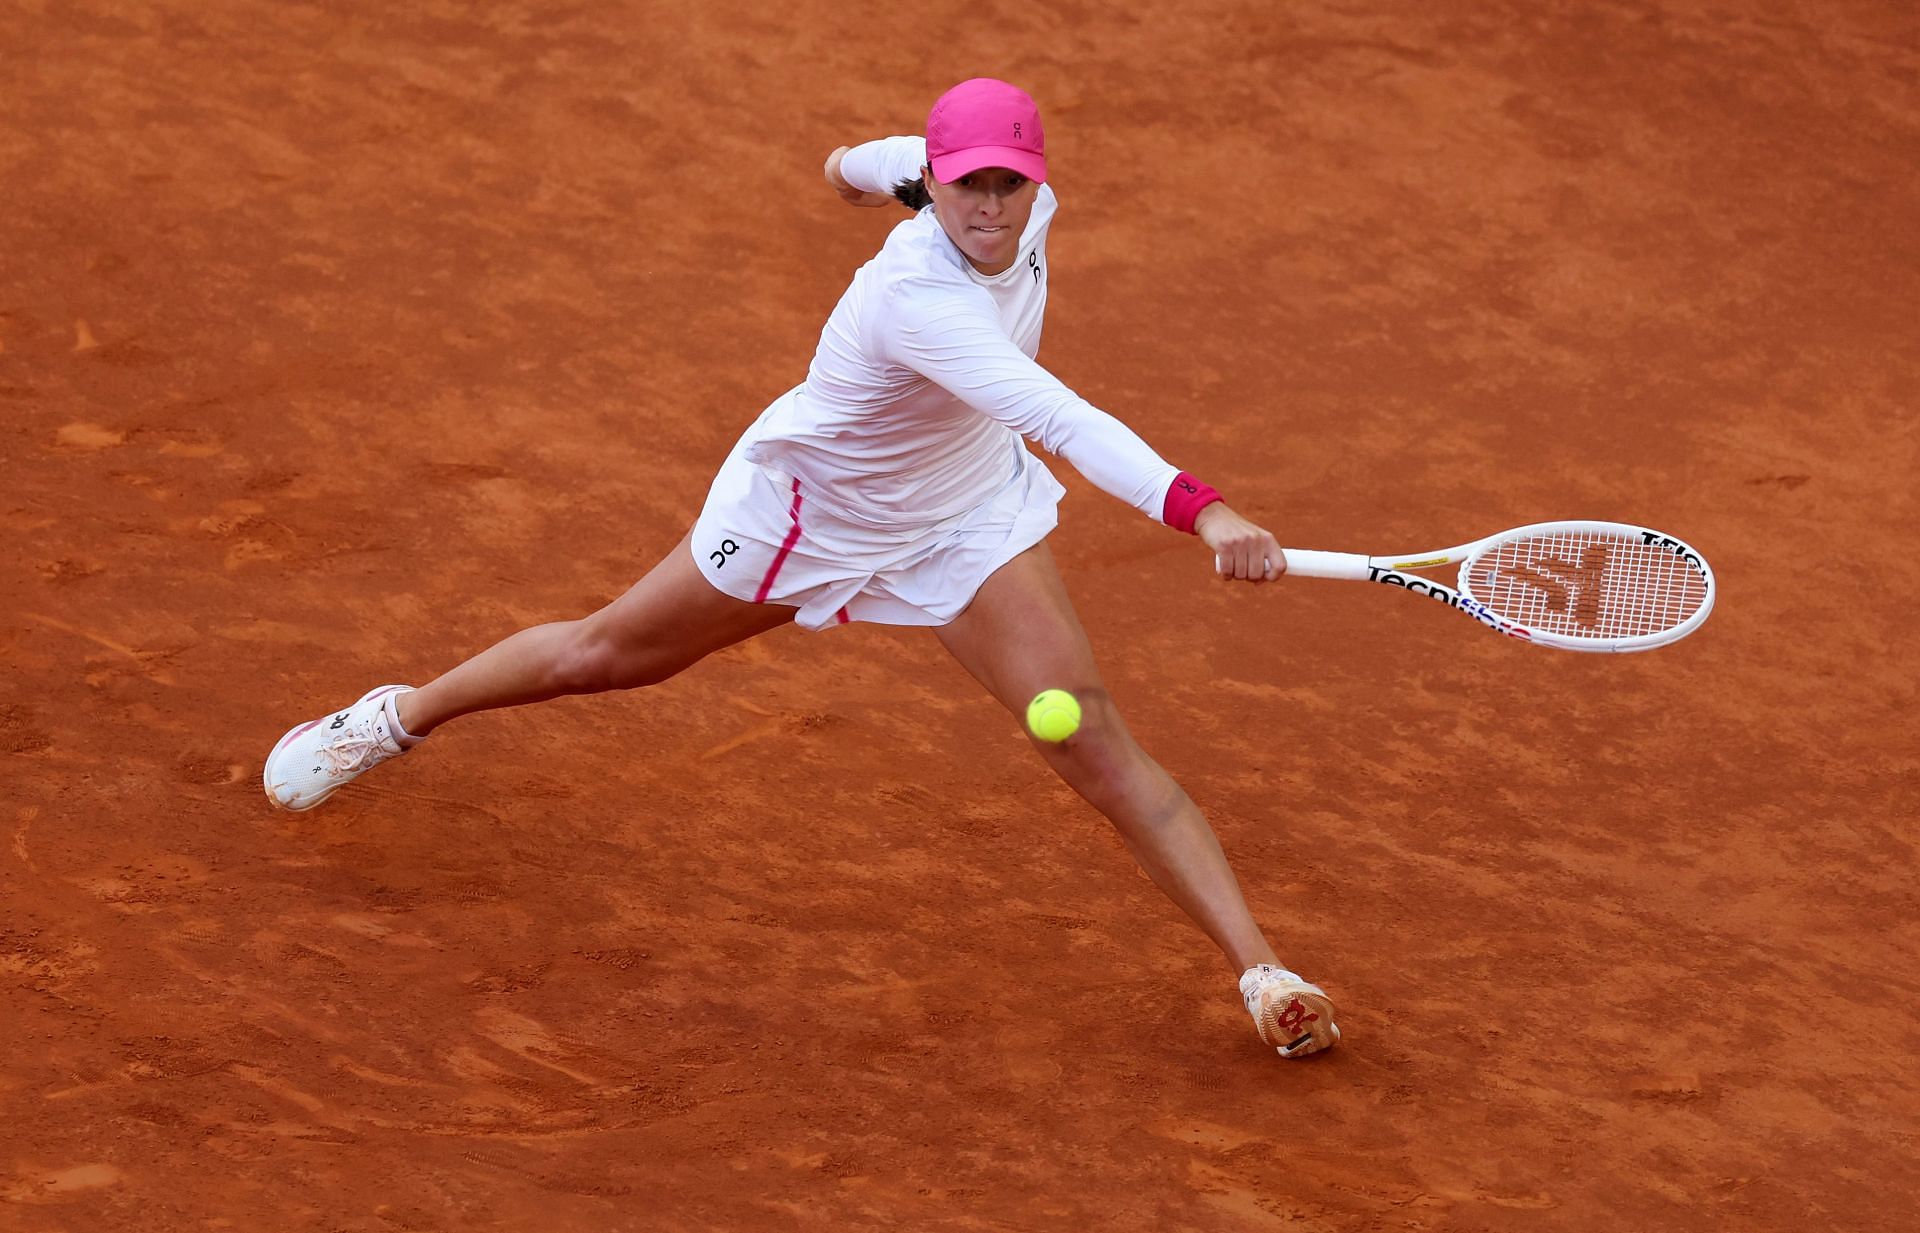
x=356, y=749
x=1262, y=979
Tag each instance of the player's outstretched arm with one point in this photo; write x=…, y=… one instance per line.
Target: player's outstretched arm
x=848, y=193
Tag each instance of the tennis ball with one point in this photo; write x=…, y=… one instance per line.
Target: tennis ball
x=1053, y=715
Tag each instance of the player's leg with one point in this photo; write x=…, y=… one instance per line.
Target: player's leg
x=666, y=622
x=1021, y=635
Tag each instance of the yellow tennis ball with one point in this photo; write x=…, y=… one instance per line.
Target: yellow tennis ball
x=1053, y=715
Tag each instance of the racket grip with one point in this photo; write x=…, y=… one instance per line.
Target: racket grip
x=1305, y=563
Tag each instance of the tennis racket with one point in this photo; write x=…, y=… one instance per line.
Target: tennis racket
x=1579, y=586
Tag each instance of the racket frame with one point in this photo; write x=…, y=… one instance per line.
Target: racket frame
x=1393, y=570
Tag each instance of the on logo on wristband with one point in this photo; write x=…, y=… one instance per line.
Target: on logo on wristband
x=1186, y=497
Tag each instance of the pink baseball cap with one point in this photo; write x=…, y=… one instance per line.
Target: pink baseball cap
x=985, y=123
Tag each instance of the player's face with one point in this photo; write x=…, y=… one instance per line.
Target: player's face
x=985, y=213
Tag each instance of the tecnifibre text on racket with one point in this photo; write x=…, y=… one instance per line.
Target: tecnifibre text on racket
x=1579, y=586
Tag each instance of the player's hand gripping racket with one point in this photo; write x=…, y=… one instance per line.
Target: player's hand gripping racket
x=1579, y=586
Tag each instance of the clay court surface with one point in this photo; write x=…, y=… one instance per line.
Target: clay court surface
x=338, y=341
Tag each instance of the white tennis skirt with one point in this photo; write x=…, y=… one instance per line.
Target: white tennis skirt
x=761, y=538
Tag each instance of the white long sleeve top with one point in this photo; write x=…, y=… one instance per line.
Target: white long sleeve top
x=925, y=378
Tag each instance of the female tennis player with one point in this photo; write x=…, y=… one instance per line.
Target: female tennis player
x=892, y=486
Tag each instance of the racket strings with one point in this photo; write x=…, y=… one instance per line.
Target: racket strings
x=1586, y=584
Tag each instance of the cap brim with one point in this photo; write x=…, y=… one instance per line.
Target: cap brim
x=950, y=167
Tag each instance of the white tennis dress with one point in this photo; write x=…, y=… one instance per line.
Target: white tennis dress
x=892, y=482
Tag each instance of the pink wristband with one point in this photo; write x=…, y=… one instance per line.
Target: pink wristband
x=1186, y=497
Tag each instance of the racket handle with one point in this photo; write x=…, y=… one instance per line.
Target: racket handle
x=1305, y=563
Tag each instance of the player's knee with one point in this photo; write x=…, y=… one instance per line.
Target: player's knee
x=1096, y=758
x=1099, y=718
x=591, y=661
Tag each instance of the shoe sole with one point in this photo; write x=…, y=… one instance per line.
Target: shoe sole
x=1316, y=1005
x=267, y=784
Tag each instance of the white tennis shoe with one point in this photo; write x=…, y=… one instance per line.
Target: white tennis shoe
x=316, y=759
x=1293, y=1015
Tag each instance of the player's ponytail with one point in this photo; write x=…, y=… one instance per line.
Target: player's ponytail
x=913, y=194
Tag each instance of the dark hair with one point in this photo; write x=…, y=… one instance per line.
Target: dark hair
x=913, y=194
